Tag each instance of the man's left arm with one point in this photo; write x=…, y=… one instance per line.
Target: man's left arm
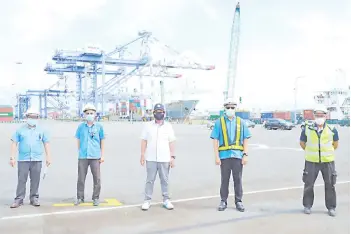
x=102, y=143
x=171, y=139
x=335, y=138
x=47, y=148
x=246, y=136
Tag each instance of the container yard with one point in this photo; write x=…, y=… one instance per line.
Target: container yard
x=6, y=113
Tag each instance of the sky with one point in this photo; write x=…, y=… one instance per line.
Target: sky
x=279, y=41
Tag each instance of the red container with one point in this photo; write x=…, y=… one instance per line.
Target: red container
x=286, y=115
x=6, y=119
x=308, y=114
x=6, y=109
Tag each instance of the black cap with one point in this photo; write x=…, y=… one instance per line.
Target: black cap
x=159, y=106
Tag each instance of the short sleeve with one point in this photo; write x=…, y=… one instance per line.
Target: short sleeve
x=45, y=137
x=78, y=132
x=16, y=137
x=101, y=133
x=144, y=133
x=215, y=134
x=246, y=131
x=171, y=136
x=336, y=135
x=303, y=137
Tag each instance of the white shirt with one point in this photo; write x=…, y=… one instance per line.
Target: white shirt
x=158, y=138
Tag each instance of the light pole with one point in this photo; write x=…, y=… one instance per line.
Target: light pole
x=17, y=63
x=295, y=96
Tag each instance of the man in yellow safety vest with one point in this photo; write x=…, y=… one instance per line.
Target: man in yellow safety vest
x=319, y=142
x=230, y=137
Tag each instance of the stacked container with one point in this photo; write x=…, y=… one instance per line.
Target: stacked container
x=286, y=115
x=243, y=114
x=6, y=113
x=308, y=115
x=267, y=115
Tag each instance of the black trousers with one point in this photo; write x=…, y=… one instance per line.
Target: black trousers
x=309, y=177
x=228, y=166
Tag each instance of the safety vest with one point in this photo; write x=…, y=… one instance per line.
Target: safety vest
x=319, y=149
x=227, y=145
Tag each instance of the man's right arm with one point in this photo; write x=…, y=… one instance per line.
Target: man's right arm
x=215, y=134
x=15, y=139
x=143, y=141
x=78, y=133
x=303, y=139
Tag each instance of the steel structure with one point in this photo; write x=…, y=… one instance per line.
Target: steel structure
x=96, y=61
x=233, y=55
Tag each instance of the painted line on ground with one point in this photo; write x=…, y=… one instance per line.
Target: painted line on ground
x=108, y=202
x=154, y=203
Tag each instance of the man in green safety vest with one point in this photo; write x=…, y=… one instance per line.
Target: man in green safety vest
x=319, y=142
x=230, y=140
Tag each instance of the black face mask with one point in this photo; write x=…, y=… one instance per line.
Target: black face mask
x=159, y=116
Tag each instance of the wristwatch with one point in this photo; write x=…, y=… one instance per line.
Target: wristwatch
x=245, y=154
x=173, y=157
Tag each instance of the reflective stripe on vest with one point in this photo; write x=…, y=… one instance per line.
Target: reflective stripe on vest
x=319, y=149
x=235, y=145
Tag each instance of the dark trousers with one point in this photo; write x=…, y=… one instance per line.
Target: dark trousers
x=228, y=166
x=33, y=168
x=83, y=165
x=309, y=177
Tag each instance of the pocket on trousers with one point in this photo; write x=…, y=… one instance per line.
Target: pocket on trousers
x=333, y=179
x=304, y=176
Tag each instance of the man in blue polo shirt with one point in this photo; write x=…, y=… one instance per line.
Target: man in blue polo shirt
x=29, y=141
x=90, y=138
x=230, y=140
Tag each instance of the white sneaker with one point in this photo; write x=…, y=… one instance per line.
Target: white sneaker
x=168, y=205
x=146, y=205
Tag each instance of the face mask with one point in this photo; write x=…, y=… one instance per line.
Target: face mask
x=90, y=118
x=159, y=116
x=320, y=121
x=32, y=122
x=230, y=112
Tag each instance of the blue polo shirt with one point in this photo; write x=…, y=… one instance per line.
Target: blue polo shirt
x=30, y=143
x=231, y=127
x=90, y=138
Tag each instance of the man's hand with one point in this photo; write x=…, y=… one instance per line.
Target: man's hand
x=102, y=159
x=218, y=161
x=142, y=160
x=244, y=160
x=48, y=161
x=12, y=162
x=171, y=163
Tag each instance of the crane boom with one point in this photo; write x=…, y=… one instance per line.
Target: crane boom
x=233, y=55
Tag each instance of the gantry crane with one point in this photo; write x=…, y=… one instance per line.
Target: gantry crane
x=233, y=55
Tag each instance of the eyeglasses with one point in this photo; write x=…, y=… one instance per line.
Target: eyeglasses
x=89, y=113
x=230, y=107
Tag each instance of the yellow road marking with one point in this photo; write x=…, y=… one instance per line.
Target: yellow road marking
x=108, y=202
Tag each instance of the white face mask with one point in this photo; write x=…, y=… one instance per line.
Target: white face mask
x=230, y=112
x=320, y=121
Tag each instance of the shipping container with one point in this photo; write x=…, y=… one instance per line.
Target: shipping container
x=266, y=115
x=6, y=119
x=6, y=114
x=286, y=115
x=243, y=115
x=308, y=115
x=6, y=109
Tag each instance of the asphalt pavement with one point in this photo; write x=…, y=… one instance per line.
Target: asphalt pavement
x=272, y=183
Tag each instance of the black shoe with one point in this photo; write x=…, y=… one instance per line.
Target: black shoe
x=35, y=202
x=222, y=206
x=307, y=210
x=16, y=204
x=78, y=202
x=240, y=207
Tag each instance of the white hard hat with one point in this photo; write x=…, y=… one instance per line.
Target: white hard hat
x=89, y=107
x=32, y=111
x=230, y=101
x=321, y=108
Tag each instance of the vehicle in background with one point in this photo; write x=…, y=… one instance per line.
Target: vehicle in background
x=278, y=124
x=308, y=122
x=249, y=123
x=344, y=123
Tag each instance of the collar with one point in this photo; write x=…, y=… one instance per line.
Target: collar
x=233, y=119
x=86, y=123
x=162, y=123
x=315, y=126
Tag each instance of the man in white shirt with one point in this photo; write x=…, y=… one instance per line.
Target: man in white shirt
x=157, y=150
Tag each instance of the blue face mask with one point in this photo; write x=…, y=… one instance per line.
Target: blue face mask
x=32, y=122
x=90, y=118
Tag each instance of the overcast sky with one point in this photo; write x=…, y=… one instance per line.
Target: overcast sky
x=280, y=40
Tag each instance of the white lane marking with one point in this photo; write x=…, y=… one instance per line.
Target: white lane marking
x=154, y=203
